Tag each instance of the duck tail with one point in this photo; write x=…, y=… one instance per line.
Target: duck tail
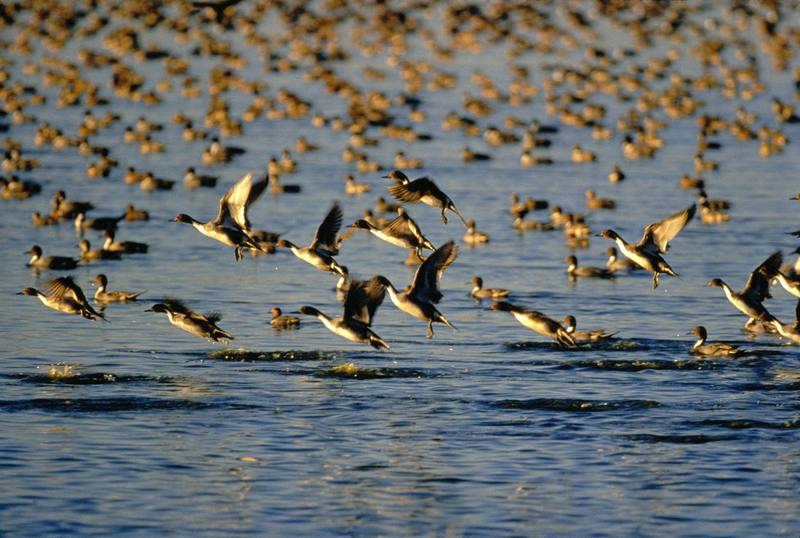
x=441, y=319
x=453, y=208
x=377, y=342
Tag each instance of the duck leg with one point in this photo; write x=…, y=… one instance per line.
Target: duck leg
x=429, y=334
x=238, y=253
x=655, y=280
x=444, y=219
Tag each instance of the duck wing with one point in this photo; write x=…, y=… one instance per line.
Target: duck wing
x=657, y=236
x=414, y=191
x=425, y=286
x=325, y=239
x=65, y=285
x=401, y=228
x=235, y=202
x=177, y=306
x=757, y=286
x=363, y=299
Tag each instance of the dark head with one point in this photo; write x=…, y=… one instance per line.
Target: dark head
x=361, y=224
x=611, y=251
x=571, y=260
x=502, y=306
x=28, y=291
x=383, y=281
x=190, y=170
x=276, y=312
x=283, y=243
x=101, y=279
x=35, y=250
x=59, y=195
x=108, y=234
x=715, y=282
x=569, y=322
x=184, y=218
x=158, y=307
x=476, y=281
x=309, y=311
x=396, y=175
x=700, y=332
x=609, y=234
x=84, y=245
x=349, y=177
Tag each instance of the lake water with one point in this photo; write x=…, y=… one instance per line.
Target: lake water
x=485, y=430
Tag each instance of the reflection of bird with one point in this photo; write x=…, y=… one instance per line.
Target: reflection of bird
x=325, y=245
x=538, y=322
x=750, y=299
x=655, y=241
x=183, y=317
x=421, y=190
x=714, y=349
x=419, y=299
x=231, y=226
x=360, y=304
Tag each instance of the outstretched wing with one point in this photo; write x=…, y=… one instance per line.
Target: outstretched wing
x=413, y=191
x=65, y=285
x=177, y=306
x=363, y=299
x=425, y=286
x=235, y=202
x=657, y=236
x=400, y=228
x=757, y=286
x=326, y=233
x=213, y=317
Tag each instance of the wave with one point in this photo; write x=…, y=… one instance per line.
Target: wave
x=575, y=405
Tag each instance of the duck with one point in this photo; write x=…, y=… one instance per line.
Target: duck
x=593, y=202
x=102, y=296
x=13, y=188
x=473, y=237
x=654, y=242
x=361, y=302
x=43, y=220
x=184, y=318
x=276, y=187
x=750, y=299
x=132, y=214
x=64, y=208
x=714, y=349
x=324, y=246
x=688, y=182
x=65, y=296
x=231, y=227
x=789, y=331
x=151, y=183
x=574, y=271
x=616, y=175
x=88, y=255
x=468, y=156
x=124, y=247
x=419, y=299
x=382, y=206
x=304, y=146
x=421, y=190
x=353, y=188
x=585, y=336
x=101, y=223
x=193, y=180
x=402, y=232
x=616, y=264
x=538, y=322
x=280, y=320
x=58, y=263
x=216, y=153
x=479, y=292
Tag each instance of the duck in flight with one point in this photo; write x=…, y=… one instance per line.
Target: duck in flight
x=421, y=190
x=538, y=322
x=183, y=317
x=325, y=245
x=361, y=302
x=65, y=296
x=402, y=232
x=756, y=289
x=654, y=242
x=419, y=299
x=231, y=226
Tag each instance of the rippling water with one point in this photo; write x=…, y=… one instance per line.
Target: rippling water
x=489, y=429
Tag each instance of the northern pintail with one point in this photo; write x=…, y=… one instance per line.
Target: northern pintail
x=102, y=223
x=402, y=232
x=64, y=208
x=713, y=349
x=616, y=264
x=280, y=320
x=474, y=237
x=361, y=302
x=790, y=331
x=103, y=296
x=325, y=245
x=790, y=284
x=421, y=190
x=353, y=188
x=749, y=300
x=231, y=226
x=132, y=214
x=124, y=247
x=655, y=241
x=419, y=299
x=382, y=206
x=574, y=271
x=616, y=175
x=538, y=322
x=584, y=336
x=193, y=180
x=58, y=263
x=479, y=292
x=595, y=202
x=88, y=255
x=65, y=296
x=13, y=188
x=43, y=220
x=183, y=317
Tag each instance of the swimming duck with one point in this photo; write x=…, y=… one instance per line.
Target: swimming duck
x=193, y=180
x=231, y=226
x=65, y=296
x=151, y=183
x=132, y=214
x=183, y=317
x=573, y=271
x=474, y=237
x=655, y=241
x=282, y=321
x=468, y=156
x=750, y=299
x=43, y=220
x=88, y=255
x=616, y=175
x=593, y=202
x=19, y=190
x=361, y=302
x=304, y=146
x=124, y=247
x=419, y=299
x=352, y=188
x=276, y=187
x=216, y=153
x=382, y=206
x=325, y=245
x=102, y=223
x=64, y=208
x=538, y=322
x=58, y=263
x=402, y=232
x=585, y=336
x=616, y=264
x=479, y=292
x=714, y=349
x=421, y=190
x=103, y=296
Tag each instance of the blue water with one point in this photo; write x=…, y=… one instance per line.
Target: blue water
x=489, y=429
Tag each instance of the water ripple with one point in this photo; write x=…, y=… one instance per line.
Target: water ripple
x=109, y=405
x=575, y=405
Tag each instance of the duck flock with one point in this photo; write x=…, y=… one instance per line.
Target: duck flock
x=100, y=57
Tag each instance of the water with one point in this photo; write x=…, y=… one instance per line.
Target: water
x=489, y=429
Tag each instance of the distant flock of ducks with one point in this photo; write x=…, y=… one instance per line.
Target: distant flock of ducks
x=566, y=89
